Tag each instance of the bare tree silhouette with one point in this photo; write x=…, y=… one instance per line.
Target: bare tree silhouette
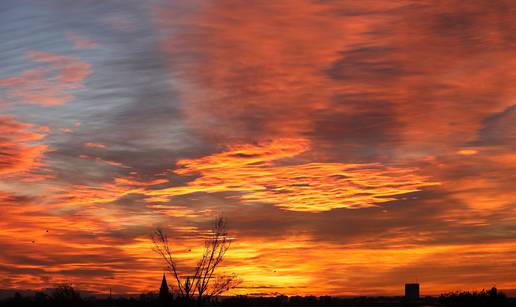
x=204, y=283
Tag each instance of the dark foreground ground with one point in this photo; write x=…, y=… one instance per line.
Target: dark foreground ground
x=71, y=298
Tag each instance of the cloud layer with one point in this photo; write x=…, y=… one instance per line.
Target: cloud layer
x=368, y=143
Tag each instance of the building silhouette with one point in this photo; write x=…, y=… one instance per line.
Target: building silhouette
x=164, y=294
x=412, y=291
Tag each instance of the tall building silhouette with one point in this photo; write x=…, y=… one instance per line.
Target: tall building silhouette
x=412, y=291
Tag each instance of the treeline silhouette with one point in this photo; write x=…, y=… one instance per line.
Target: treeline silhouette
x=67, y=296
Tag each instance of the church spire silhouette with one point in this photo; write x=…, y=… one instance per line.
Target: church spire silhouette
x=164, y=294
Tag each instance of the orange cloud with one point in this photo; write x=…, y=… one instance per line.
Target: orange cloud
x=80, y=42
x=48, y=84
x=19, y=157
x=257, y=172
x=467, y=152
x=77, y=195
x=481, y=180
x=267, y=75
x=133, y=182
x=109, y=162
x=374, y=74
x=94, y=145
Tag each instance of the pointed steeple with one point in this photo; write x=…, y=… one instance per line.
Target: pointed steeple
x=163, y=290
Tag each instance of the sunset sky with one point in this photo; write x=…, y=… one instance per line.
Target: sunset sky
x=352, y=146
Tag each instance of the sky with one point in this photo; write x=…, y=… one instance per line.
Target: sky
x=353, y=146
